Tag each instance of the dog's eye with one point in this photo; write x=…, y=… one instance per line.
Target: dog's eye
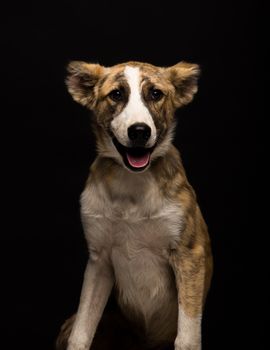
x=116, y=95
x=156, y=94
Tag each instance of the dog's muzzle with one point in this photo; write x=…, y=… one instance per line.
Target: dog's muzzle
x=136, y=156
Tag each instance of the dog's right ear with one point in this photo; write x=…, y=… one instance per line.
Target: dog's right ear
x=81, y=81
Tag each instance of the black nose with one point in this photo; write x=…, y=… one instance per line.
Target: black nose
x=139, y=133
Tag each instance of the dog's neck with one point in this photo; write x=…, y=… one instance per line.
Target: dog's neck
x=166, y=172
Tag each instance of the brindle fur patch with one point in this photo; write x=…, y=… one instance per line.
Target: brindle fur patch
x=90, y=85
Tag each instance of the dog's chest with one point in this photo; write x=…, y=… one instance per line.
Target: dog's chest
x=137, y=227
x=132, y=216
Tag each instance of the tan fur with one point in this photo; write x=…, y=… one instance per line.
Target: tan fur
x=147, y=228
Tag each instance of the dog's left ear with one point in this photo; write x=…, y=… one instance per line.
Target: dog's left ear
x=81, y=81
x=184, y=77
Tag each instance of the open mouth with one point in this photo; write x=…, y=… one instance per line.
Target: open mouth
x=135, y=158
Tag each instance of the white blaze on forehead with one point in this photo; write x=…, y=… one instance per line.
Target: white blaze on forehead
x=135, y=104
x=135, y=111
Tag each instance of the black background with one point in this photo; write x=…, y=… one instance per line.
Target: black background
x=51, y=148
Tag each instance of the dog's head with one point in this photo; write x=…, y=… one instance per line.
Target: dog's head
x=133, y=105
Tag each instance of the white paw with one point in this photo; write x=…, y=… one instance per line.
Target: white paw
x=75, y=345
x=179, y=344
x=187, y=347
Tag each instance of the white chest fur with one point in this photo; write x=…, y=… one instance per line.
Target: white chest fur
x=136, y=227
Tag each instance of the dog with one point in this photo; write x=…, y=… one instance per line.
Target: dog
x=145, y=233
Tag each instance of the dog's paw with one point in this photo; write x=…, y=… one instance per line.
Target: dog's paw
x=187, y=347
x=181, y=345
x=75, y=345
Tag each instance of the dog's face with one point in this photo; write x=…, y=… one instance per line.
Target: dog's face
x=133, y=105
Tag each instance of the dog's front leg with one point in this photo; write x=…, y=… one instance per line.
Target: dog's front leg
x=192, y=270
x=97, y=286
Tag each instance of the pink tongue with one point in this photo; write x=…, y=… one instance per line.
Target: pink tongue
x=138, y=162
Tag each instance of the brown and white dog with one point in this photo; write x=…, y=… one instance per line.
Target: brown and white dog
x=146, y=235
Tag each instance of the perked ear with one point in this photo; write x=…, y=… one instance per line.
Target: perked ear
x=184, y=76
x=81, y=81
